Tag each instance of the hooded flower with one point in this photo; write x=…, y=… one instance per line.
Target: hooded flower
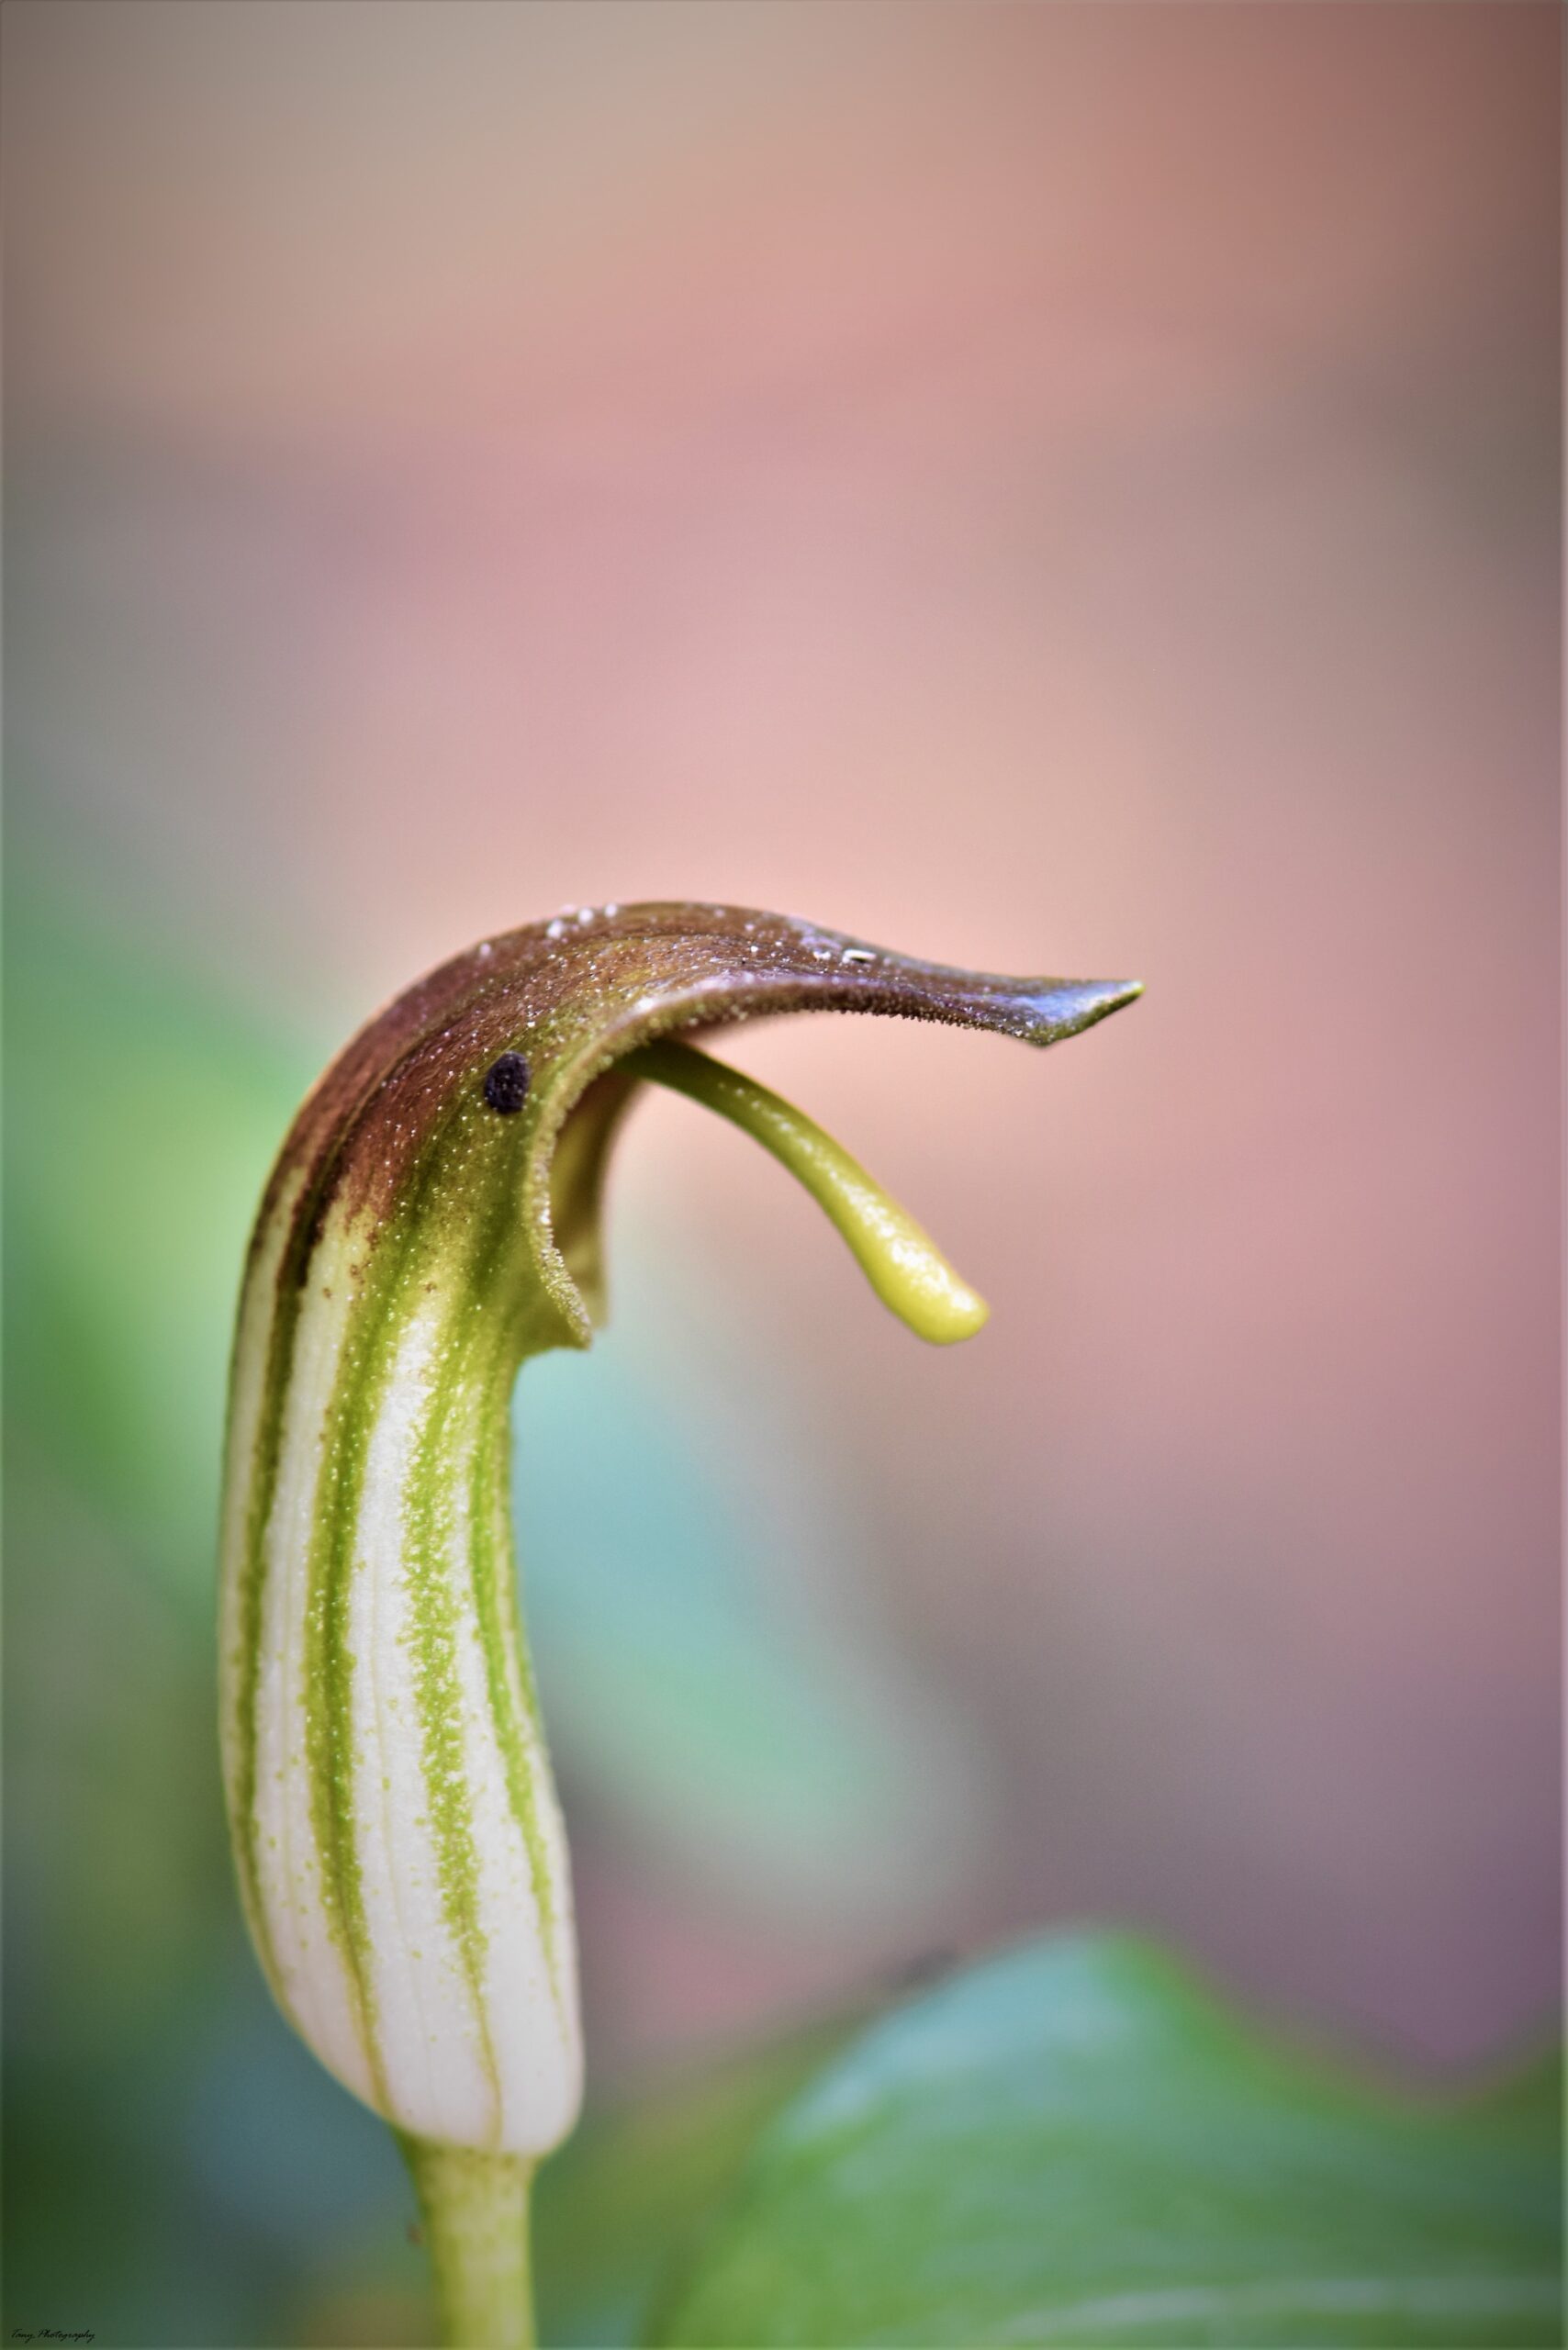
x=431, y=1221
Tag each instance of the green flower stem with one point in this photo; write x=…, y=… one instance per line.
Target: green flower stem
x=475, y=2209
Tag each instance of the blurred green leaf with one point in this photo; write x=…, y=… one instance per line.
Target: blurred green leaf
x=1074, y=2143
x=632, y=2191
x=144, y=1113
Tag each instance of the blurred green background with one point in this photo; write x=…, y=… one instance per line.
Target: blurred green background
x=1045, y=489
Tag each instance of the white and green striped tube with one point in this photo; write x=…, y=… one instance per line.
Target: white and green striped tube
x=399, y=1845
x=432, y=1222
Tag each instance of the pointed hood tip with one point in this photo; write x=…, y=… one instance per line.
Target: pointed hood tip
x=1062, y=1008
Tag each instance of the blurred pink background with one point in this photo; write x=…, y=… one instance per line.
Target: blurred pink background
x=1051, y=487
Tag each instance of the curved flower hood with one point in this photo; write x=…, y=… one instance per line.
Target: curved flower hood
x=433, y=1219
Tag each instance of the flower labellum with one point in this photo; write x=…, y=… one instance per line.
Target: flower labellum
x=432, y=1221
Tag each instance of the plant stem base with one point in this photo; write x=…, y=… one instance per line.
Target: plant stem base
x=475, y=2210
